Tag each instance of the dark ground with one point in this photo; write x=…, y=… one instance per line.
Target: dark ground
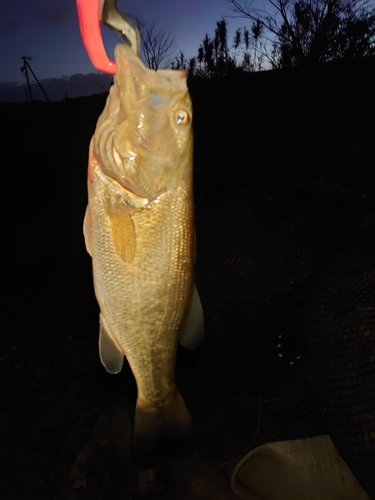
x=63, y=419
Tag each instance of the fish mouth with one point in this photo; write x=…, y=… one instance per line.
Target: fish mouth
x=129, y=177
x=143, y=179
x=132, y=198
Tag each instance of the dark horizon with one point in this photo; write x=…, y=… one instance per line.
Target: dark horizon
x=48, y=33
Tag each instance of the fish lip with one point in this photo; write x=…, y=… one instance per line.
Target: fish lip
x=132, y=197
x=148, y=190
x=132, y=156
x=128, y=161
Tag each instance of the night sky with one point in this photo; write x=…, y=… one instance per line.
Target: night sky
x=48, y=32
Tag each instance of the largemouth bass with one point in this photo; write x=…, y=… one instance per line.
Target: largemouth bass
x=139, y=230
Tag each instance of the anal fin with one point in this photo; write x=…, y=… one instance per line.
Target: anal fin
x=192, y=333
x=111, y=357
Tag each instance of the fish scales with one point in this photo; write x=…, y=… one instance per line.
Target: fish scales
x=139, y=230
x=148, y=296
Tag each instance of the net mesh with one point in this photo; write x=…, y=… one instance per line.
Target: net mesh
x=339, y=351
x=269, y=277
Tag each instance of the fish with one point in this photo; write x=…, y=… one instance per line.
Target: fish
x=139, y=231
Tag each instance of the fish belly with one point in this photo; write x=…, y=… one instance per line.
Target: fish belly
x=143, y=279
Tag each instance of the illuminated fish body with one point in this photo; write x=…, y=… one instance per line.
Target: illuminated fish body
x=139, y=230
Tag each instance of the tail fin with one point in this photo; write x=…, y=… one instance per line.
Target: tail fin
x=164, y=432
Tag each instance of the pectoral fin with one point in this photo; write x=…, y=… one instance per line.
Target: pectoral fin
x=111, y=357
x=87, y=230
x=192, y=334
x=123, y=233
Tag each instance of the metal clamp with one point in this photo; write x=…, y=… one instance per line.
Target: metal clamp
x=90, y=14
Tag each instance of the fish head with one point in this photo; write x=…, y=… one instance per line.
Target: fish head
x=146, y=141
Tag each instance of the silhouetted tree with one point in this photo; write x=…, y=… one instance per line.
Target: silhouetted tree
x=181, y=62
x=237, y=40
x=250, y=62
x=157, y=43
x=257, y=31
x=311, y=31
x=214, y=58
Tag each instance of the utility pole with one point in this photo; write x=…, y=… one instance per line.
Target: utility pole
x=25, y=72
x=27, y=66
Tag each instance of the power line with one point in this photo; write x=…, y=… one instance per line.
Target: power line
x=61, y=62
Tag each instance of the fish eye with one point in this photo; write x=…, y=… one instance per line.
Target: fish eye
x=182, y=117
